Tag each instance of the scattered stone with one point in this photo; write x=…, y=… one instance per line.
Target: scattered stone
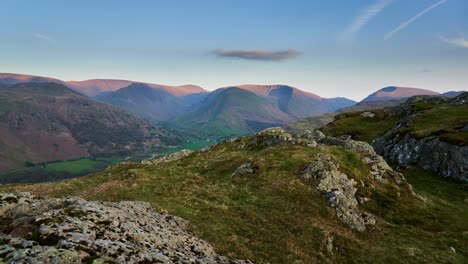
x=73, y=230
x=367, y=114
x=246, y=168
x=129, y=174
x=454, y=251
x=328, y=243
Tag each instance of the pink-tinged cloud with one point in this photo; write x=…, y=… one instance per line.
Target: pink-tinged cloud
x=260, y=55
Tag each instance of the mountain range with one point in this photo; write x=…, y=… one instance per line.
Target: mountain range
x=224, y=112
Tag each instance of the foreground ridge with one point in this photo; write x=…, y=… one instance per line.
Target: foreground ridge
x=72, y=230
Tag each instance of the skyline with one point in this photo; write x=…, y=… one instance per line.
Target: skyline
x=325, y=47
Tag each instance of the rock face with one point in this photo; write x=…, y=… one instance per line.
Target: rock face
x=431, y=153
x=445, y=159
x=72, y=230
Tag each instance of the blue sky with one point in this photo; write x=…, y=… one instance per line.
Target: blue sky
x=329, y=47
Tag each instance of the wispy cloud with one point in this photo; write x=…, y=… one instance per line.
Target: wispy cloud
x=411, y=20
x=363, y=18
x=44, y=37
x=460, y=41
x=262, y=55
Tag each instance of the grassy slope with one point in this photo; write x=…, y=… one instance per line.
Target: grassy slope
x=312, y=122
x=274, y=216
x=442, y=120
x=361, y=128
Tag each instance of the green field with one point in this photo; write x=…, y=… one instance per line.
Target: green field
x=60, y=170
x=81, y=165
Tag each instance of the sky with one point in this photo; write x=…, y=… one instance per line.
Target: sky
x=328, y=47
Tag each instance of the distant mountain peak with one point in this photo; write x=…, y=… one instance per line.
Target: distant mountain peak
x=395, y=92
x=272, y=89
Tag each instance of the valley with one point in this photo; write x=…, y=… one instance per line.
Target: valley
x=314, y=191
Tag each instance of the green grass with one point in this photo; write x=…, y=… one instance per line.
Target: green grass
x=313, y=122
x=80, y=165
x=430, y=120
x=441, y=120
x=54, y=171
x=274, y=216
x=75, y=166
x=359, y=127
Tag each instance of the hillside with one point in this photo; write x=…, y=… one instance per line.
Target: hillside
x=244, y=109
x=154, y=103
x=318, y=121
x=231, y=112
x=281, y=198
x=393, y=92
x=297, y=103
x=42, y=122
x=13, y=78
x=429, y=131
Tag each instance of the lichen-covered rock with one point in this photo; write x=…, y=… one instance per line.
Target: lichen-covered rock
x=246, y=168
x=340, y=191
x=310, y=134
x=168, y=158
x=367, y=114
x=272, y=136
x=72, y=230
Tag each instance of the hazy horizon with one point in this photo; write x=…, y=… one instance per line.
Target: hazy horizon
x=329, y=48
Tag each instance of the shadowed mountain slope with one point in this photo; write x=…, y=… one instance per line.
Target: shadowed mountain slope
x=42, y=122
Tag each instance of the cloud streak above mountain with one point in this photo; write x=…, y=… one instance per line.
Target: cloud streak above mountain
x=44, y=37
x=411, y=20
x=259, y=55
x=363, y=18
x=460, y=41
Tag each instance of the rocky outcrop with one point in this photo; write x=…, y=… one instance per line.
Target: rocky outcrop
x=272, y=136
x=72, y=230
x=340, y=191
x=445, y=159
x=339, y=188
x=168, y=158
x=431, y=153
